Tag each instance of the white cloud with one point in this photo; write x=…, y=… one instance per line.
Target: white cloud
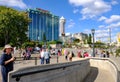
x=75, y=10
x=71, y=23
x=114, y=25
x=103, y=35
x=81, y=2
x=113, y=18
x=102, y=18
x=114, y=2
x=92, y=8
x=87, y=31
x=13, y=3
x=101, y=31
x=101, y=26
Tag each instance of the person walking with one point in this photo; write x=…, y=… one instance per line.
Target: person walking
x=79, y=54
x=86, y=54
x=6, y=62
x=107, y=54
x=66, y=54
x=47, y=56
x=42, y=55
x=70, y=55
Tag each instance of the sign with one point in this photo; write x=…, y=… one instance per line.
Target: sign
x=118, y=37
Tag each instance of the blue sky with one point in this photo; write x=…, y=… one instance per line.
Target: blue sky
x=80, y=15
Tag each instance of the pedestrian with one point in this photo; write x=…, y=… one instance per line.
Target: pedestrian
x=28, y=54
x=66, y=54
x=107, y=54
x=86, y=54
x=42, y=55
x=70, y=55
x=6, y=62
x=47, y=56
x=103, y=54
x=79, y=54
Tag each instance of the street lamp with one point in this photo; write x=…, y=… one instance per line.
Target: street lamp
x=93, y=32
x=110, y=40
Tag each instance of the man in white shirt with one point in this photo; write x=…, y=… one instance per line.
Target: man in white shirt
x=42, y=55
x=47, y=56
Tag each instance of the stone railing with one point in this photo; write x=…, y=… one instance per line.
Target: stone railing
x=63, y=72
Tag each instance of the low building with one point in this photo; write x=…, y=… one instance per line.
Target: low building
x=81, y=36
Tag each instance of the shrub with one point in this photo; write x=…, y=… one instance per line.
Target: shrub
x=117, y=52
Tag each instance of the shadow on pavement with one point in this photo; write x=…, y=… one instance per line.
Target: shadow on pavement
x=118, y=77
x=92, y=75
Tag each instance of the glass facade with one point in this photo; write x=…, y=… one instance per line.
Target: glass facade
x=43, y=23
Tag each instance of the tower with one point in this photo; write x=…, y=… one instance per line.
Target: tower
x=62, y=26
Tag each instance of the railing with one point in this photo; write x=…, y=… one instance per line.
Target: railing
x=31, y=58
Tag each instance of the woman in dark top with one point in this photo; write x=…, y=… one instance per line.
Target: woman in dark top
x=6, y=62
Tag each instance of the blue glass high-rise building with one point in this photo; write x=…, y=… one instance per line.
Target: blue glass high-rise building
x=43, y=24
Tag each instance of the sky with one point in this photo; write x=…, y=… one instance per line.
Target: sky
x=80, y=15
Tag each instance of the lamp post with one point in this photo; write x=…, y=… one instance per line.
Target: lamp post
x=110, y=40
x=93, y=32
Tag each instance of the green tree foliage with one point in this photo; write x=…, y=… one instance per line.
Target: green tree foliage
x=13, y=26
x=117, y=52
x=100, y=45
x=54, y=42
x=76, y=41
x=44, y=37
x=89, y=40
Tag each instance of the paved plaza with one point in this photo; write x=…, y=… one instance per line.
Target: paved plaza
x=96, y=75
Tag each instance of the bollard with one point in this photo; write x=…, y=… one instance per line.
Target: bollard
x=35, y=60
x=57, y=59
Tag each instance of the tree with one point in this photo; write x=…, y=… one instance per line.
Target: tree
x=117, y=52
x=44, y=37
x=89, y=40
x=76, y=41
x=13, y=26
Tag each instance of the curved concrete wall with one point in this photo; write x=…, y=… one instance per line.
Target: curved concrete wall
x=64, y=72
x=106, y=64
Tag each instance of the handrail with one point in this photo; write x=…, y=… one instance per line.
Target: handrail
x=21, y=58
x=31, y=58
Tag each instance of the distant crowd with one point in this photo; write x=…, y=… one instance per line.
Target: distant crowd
x=45, y=53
